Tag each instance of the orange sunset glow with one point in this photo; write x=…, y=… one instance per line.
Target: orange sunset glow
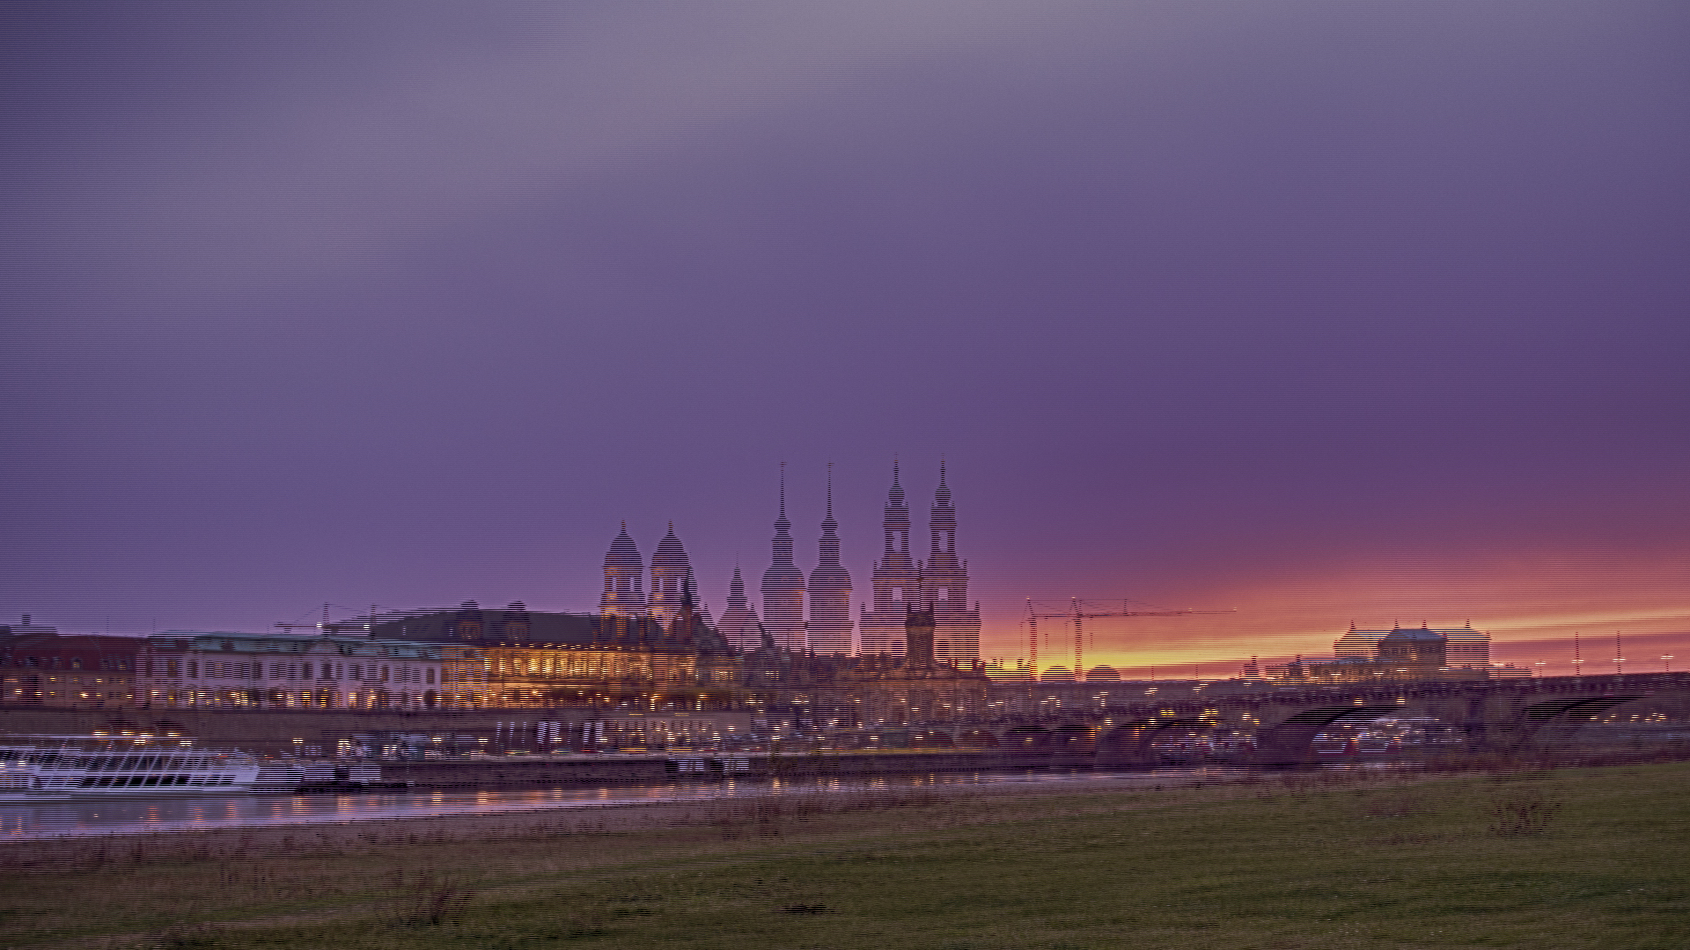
x=1531, y=602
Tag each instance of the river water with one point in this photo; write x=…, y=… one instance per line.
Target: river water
x=125, y=816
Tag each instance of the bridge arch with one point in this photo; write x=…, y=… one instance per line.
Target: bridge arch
x=1025, y=739
x=1292, y=741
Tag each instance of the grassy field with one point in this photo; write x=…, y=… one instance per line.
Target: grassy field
x=1596, y=858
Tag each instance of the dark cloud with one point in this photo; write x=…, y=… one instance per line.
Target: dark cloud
x=460, y=289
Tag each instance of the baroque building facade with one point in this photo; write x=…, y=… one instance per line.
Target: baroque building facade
x=940, y=584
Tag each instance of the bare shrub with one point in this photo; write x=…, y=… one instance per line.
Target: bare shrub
x=432, y=899
x=200, y=937
x=1522, y=812
x=1402, y=805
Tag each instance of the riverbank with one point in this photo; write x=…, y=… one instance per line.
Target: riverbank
x=1292, y=861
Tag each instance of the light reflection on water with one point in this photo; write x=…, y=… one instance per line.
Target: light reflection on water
x=89, y=817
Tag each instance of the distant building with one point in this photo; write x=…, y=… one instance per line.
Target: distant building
x=1416, y=653
x=521, y=658
x=40, y=668
x=1455, y=648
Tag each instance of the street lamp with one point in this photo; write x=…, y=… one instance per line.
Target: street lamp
x=1539, y=666
x=1666, y=663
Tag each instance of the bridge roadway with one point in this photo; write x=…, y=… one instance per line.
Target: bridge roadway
x=1494, y=716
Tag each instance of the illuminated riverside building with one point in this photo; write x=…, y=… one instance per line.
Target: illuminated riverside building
x=783, y=586
x=521, y=658
x=186, y=669
x=38, y=667
x=829, y=629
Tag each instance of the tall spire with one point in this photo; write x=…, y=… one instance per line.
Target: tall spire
x=830, y=629
x=783, y=491
x=783, y=584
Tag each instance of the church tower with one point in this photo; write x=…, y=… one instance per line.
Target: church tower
x=956, y=626
x=895, y=581
x=671, y=578
x=624, y=572
x=739, y=622
x=783, y=586
x=830, y=628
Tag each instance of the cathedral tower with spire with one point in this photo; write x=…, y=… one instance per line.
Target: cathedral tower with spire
x=956, y=625
x=671, y=579
x=783, y=585
x=830, y=628
x=624, y=573
x=896, y=580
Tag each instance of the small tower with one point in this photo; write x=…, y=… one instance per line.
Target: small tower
x=624, y=579
x=739, y=622
x=894, y=582
x=945, y=582
x=671, y=578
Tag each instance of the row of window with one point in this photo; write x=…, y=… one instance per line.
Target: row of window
x=75, y=663
x=305, y=699
x=942, y=595
x=217, y=669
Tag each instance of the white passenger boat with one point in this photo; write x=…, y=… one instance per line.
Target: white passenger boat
x=102, y=766
x=20, y=779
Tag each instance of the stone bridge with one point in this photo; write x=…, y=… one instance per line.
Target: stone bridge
x=1494, y=716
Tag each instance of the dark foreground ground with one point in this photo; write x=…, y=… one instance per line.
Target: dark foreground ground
x=1589, y=858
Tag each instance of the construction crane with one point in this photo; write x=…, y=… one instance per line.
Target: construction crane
x=1079, y=611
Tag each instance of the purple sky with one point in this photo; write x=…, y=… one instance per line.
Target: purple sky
x=1323, y=311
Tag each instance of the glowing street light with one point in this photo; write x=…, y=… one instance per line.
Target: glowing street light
x=1666, y=663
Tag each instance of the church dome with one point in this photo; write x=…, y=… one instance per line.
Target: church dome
x=671, y=557
x=1102, y=674
x=1057, y=674
x=623, y=554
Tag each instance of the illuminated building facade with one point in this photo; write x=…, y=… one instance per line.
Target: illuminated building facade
x=186, y=669
x=519, y=658
x=40, y=668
